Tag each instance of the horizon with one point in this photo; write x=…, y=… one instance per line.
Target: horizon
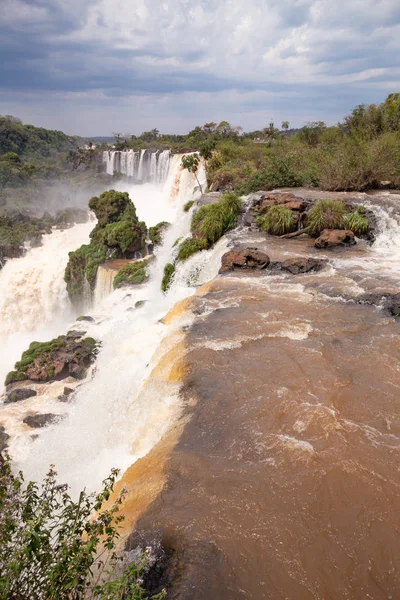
x=90, y=68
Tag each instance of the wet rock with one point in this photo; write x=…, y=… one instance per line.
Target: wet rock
x=210, y=198
x=38, y=421
x=65, y=397
x=302, y=264
x=331, y=238
x=272, y=199
x=19, y=394
x=4, y=437
x=393, y=304
x=244, y=258
x=298, y=205
x=86, y=318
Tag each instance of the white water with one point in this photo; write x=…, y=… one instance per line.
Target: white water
x=34, y=303
x=117, y=416
x=143, y=166
x=104, y=284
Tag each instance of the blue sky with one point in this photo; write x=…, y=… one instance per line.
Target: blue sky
x=92, y=67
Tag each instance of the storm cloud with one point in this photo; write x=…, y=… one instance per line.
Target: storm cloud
x=96, y=66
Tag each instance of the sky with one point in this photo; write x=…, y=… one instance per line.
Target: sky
x=94, y=67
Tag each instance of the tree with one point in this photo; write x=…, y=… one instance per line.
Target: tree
x=285, y=125
x=206, y=148
x=191, y=163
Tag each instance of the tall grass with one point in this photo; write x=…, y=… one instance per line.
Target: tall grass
x=278, y=221
x=326, y=214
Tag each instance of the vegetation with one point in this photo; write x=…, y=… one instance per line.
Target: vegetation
x=118, y=234
x=51, y=546
x=191, y=163
x=278, y=221
x=191, y=246
x=155, y=233
x=326, y=214
x=188, y=205
x=356, y=222
x=132, y=273
x=43, y=354
x=169, y=271
x=211, y=221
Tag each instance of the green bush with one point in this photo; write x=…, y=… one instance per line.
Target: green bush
x=169, y=271
x=191, y=246
x=278, y=221
x=188, y=205
x=14, y=376
x=52, y=546
x=326, y=214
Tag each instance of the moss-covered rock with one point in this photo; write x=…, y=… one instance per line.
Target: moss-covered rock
x=191, y=246
x=169, y=271
x=67, y=355
x=132, y=274
x=156, y=232
x=118, y=234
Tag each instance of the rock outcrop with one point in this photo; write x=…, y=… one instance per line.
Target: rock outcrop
x=302, y=265
x=19, y=394
x=38, y=421
x=244, y=258
x=332, y=238
x=68, y=355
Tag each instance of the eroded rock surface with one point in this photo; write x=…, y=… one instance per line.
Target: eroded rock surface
x=332, y=238
x=244, y=258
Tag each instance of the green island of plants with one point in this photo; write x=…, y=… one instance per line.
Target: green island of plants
x=53, y=546
x=118, y=234
x=155, y=233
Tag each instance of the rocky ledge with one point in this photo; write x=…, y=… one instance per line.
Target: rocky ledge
x=242, y=258
x=66, y=356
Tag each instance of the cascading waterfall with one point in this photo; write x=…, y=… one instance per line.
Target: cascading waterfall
x=34, y=303
x=143, y=166
x=117, y=416
x=104, y=284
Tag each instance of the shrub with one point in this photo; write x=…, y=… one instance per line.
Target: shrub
x=326, y=214
x=14, y=376
x=191, y=246
x=278, y=221
x=169, y=271
x=52, y=547
x=357, y=223
x=188, y=205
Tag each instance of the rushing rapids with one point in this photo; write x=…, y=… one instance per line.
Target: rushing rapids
x=258, y=423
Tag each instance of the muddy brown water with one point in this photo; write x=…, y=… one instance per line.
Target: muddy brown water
x=285, y=481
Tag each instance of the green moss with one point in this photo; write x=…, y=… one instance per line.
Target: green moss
x=37, y=349
x=89, y=341
x=191, y=246
x=188, y=205
x=278, y=221
x=169, y=271
x=14, y=376
x=132, y=274
x=155, y=233
x=176, y=242
x=326, y=214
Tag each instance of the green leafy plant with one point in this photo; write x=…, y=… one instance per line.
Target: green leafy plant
x=155, y=233
x=191, y=163
x=53, y=547
x=278, y=221
x=211, y=221
x=326, y=214
x=132, y=273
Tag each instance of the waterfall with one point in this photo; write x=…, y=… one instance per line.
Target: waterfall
x=104, y=283
x=145, y=166
x=34, y=303
x=119, y=414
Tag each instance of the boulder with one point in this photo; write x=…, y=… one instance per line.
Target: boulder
x=19, y=394
x=331, y=238
x=244, y=258
x=65, y=397
x=86, y=318
x=302, y=264
x=393, y=304
x=210, y=198
x=268, y=200
x=295, y=205
x=38, y=421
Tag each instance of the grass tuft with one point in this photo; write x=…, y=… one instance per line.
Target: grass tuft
x=191, y=246
x=326, y=214
x=169, y=271
x=357, y=223
x=278, y=221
